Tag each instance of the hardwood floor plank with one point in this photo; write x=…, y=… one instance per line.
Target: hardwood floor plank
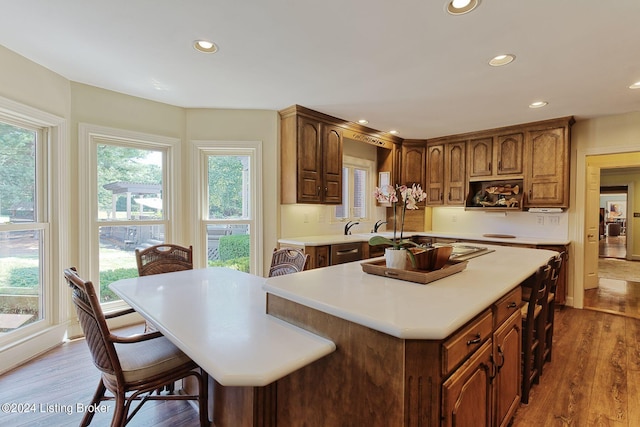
x=609, y=403
x=633, y=369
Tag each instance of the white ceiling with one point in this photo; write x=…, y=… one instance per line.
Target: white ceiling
x=403, y=64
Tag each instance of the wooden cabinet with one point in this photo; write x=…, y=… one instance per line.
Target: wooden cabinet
x=413, y=163
x=311, y=157
x=507, y=344
x=446, y=174
x=435, y=175
x=466, y=395
x=547, y=177
x=487, y=386
x=496, y=156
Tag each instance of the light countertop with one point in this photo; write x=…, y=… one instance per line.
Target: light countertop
x=217, y=317
x=364, y=237
x=411, y=310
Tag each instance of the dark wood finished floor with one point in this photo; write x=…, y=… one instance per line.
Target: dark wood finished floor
x=49, y=388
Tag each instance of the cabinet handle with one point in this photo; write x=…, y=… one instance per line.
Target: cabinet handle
x=441, y=196
x=501, y=354
x=499, y=165
x=326, y=190
x=489, y=167
x=318, y=191
x=476, y=340
x=449, y=196
x=512, y=304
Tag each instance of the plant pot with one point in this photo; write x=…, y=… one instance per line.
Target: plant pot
x=396, y=258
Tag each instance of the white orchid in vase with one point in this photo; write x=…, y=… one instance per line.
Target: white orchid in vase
x=410, y=196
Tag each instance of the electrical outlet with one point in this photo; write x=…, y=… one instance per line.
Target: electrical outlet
x=454, y=218
x=305, y=218
x=554, y=220
x=540, y=220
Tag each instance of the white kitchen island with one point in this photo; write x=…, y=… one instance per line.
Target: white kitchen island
x=407, y=353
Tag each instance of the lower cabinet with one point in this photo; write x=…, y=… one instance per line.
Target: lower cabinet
x=487, y=386
x=466, y=395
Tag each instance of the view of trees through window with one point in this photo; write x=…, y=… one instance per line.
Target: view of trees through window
x=21, y=233
x=228, y=228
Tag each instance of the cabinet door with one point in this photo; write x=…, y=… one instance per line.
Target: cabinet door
x=413, y=164
x=435, y=175
x=318, y=256
x=309, y=161
x=506, y=355
x=548, y=168
x=455, y=173
x=509, y=154
x=331, y=164
x=480, y=157
x=466, y=395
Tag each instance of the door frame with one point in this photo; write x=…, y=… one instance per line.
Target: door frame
x=604, y=158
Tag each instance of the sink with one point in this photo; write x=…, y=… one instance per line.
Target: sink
x=463, y=252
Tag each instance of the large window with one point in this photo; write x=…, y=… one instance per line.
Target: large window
x=229, y=200
x=24, y=230
x=129, y=190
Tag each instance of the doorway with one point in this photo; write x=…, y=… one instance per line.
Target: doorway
x=618, y=283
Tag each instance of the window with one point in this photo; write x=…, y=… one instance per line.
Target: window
x=24, y=230
x=230, y=204
x=130, y=195
x=357, y=189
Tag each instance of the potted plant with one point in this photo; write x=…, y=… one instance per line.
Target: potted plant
x=396, y=254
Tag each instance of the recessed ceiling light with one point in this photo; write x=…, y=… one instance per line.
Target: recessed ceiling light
x=538, y=104
x=500, y=60
x=205, y=46
x=636, y=85
x=459, y=7
x=393, y=132
x=363, y=121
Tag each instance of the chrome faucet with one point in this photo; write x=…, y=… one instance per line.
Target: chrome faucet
x=347, y=227
x=377, y=225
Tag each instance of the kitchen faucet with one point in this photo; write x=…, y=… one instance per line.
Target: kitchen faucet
x=347, y=227
x=377, y=225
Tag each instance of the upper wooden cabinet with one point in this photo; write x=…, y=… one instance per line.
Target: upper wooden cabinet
x=413, y=163
x=547, y=177
x=311, y=153
x=446, y=174
x=495, y=156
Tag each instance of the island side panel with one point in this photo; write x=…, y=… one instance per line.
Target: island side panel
x=361, y=383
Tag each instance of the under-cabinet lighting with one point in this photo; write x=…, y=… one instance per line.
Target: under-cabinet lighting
x=636, y=85
x=393, y=132
x=363, y=121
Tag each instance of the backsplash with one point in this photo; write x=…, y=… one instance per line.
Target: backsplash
x=315, y=220
x=521, y=224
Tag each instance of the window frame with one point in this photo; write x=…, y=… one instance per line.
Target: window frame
x=90, y=136
x=53, y=198
x=352, y=163
x=200, y=151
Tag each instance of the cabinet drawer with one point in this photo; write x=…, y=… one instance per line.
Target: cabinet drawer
x=506, y=306
x=457, y=348
x=346, y=252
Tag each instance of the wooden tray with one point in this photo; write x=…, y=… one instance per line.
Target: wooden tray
x=379, y=268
